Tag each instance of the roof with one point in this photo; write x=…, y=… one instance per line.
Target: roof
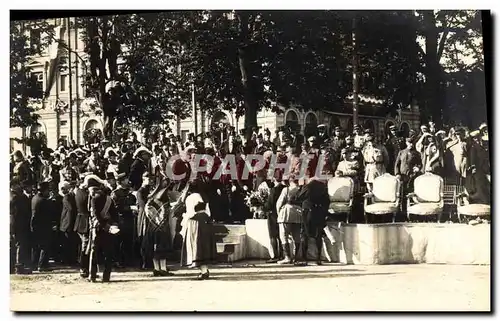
x=367, y=99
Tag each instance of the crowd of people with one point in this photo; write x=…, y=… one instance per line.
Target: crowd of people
x=106, y=202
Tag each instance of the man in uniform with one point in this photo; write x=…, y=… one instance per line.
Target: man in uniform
x=322, y=134
x=103, y=224
x=82, y=227
x=392, y=145
x=139, y=166
x=123, y=200
x=20, y=212
x=359, y=138
x=407, y=166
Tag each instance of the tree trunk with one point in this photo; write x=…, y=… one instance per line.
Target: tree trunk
x=433, y=74
x=247, y=81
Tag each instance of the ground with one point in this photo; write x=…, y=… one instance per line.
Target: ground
x=264, y=287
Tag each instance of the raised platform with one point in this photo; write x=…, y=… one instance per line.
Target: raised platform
x=369, y=244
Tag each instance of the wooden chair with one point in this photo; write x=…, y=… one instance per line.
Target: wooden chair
x=427, y=197
x=341, y=191
x=385, y=197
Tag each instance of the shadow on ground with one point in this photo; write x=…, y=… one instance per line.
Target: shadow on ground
x=255, y=276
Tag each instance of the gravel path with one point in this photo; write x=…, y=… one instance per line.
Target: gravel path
x=264, y=287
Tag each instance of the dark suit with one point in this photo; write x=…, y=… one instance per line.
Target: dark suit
x=82, y=226
x=41, y=226
x=125, y=163
x=67, y=226
x=20, y=215
x=136, y=171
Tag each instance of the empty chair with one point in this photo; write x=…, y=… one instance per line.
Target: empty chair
x=384, y=198
x=465, y=208
x=341, y=192
x=427, y=197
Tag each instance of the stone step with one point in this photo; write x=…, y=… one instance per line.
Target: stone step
x=226, y=247
x=232, y=229
x=227, y=238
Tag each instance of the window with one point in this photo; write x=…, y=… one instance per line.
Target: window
x=36, y=86
x=63, y=82
x=311, y=125
x=184, y=135
x=64, y=122
x=35, y=38
x=292, y=120
x=92, y=124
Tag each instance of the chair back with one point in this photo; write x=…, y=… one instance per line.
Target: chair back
x=386, y=189
x=429, y=188
x=340, y=189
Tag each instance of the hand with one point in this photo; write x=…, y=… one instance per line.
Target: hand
x=233, y=189
x=398, y=177
x=245, y=188
x=219, y=192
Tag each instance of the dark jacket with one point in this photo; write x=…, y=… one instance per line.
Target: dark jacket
x=41, y=209
x=125, y=163
x=82, y=209
x=20, y=215
x=406, y=160
x=136, y=171
x=69, y=213
x=107, y=218
x=274, y=194
x=142, y=199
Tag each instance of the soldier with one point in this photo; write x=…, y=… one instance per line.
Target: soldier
x=103, y=227
x=67, y=223
x=376, y=160
x=314, y=199
x=123, y=200
x=322, y=134
x=337, y=140
x=82, y=227
x=392, y=145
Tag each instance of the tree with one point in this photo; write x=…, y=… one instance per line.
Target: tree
x=449, y=38
x=28, y=39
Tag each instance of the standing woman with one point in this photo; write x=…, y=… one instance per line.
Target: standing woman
x=198, y=248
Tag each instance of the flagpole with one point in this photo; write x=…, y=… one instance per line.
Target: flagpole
x=70, y=82
x=77, y=88
x=355, y=84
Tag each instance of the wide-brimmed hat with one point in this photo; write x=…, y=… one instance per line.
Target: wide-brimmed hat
x=483, y=126
x=110, y=151
x=141, y=150
x=93, y=181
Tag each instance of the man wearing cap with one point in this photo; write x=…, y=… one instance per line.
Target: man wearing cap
x=20, y=216
x=392, y=144
x=407, y=166
x=103, y=219
x=41, y=225
x=139, y=166
x=338, y=141
x=123, y=200
x=322, y=134
x=359, y=137
x=67, y=223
